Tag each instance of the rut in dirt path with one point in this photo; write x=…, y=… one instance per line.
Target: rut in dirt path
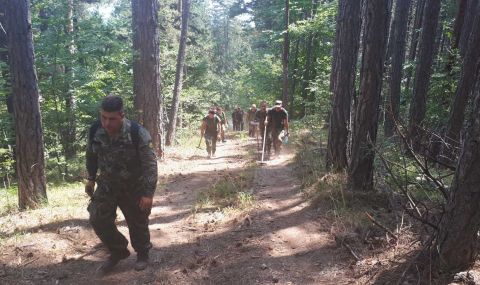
x=282, y=240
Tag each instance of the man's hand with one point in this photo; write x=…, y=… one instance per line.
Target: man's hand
x=145, y=203
x=90, y=188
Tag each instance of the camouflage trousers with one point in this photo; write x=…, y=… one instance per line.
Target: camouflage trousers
x=273, y=136
x=211, y=142
x=103, y=208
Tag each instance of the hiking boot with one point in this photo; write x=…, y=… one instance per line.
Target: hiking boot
x=113, y=260
x=213, y=155
x=142, y=261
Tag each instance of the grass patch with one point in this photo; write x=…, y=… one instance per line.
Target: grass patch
x=64, y=202
x=230, y=192
x=8, y=201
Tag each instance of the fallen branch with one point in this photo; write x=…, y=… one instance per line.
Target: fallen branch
x=381, y=226
x=30, y=261
x=423, y=167
x=358, y=258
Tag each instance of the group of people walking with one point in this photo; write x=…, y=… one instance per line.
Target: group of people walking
x=122, y=171
x=272, y=124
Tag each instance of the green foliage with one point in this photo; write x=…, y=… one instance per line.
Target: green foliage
x=229, y=192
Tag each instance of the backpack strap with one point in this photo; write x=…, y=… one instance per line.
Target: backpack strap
x=134, y=130
x=93, y=129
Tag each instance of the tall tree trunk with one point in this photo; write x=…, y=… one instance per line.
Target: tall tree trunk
x=398, y=54
x=412, y=51
x=342, y=81
x=465, y=86
x=306, y=77
x=456, y=246
x=27, y=117
x=294, y=77
x=285, y=53
x=391, y=26
x=467, y=25
x=69, y=136
x=423, y=73
x=146, y=70
x=309, y=68
x=360, y=169
x=459, y=19
x=177, y=89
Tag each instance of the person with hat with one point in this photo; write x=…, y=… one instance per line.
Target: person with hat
x=277, y=126
x=252, y=125
x=211, y=125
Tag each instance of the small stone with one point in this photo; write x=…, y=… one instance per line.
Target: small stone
x=275, y=280
x=263, y=266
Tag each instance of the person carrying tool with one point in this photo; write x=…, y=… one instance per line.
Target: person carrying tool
x=252, y=125
x=277, y=126
x=260, y=117
x=224, y=123
x=211, y=125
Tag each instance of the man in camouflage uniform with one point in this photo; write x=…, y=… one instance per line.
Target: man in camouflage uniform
x=122, y=150
x=224, y=123
x=209, y=129
x=252, y=126
x=260, y=117
x=277, y=126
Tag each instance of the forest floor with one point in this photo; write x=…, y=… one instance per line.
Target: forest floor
x=203, y=231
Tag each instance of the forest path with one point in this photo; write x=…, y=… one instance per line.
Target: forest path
x=280, y=240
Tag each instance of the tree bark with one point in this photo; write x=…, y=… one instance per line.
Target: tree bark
x=306, y=77
x=28, y=123
x=456, y=243
x=342, y=81
x=472, y=6
x=146, y=71
x=423, y=73
x=412, y=51
x=69, y=134
x=294, y=78
x=360, y=169
x=459, y=19
x=285, y=53
x=399, y=30
x=465, y=86
x=177, y=89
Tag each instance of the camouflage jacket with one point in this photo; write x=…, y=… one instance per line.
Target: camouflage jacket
x=121, y=163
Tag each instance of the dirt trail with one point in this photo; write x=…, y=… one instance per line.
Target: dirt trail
x=282, y=240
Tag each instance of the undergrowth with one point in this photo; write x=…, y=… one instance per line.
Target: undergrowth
x=232, y=192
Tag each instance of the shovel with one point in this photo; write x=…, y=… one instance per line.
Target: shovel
x=263, y=147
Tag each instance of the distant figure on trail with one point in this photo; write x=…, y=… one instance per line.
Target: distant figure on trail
x=121, y=150
x=277, y=126
x=252, y=126
x=260, y=117
x=234, y=119
x=224, y=123
x=239, y=118
x=211, y=125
